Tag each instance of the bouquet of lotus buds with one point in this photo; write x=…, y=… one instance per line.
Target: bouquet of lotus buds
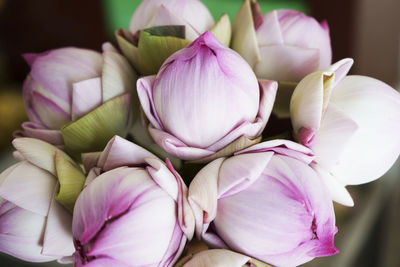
x=160, y=152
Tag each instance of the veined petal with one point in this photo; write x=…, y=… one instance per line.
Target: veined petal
x=52, y=115
x=145, y=94
x=375, y=146
x=58, y=69
x=86, y=96
x=341, y=68
x=337, y=189
x=244, y=39
x=28, y=187
x=282, y=147
x=118, y=77
x=34, y=130
x=21, y=234
x=57, y=239
x=239, y=172
x=286, y=63
x=332, y=138
x=271, y=26
x=309, y=101
x=203, y=195
x=120, y=152
x=37, y=152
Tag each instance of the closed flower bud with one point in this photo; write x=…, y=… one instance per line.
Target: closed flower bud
x=66, y=84
x=351, y=123
x=33, y=225
x=204, y=97
x=131, y=216
x=283, y=45
x=265, y=202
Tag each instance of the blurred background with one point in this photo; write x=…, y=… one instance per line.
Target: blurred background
x=366, y=30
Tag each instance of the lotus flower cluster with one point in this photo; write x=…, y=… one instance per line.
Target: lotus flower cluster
x=82, y=193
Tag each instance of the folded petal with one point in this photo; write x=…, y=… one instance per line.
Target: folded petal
x=28, y=187
x=86, y=96
x=38, y=153
x=336, y=189
x=334, y=135
x=57, y=239
x=118, y=77
x=58, y=69
x=120, y=152
x=21, y=234
x=341, y=68
x=34, y=130
x=375, y=146
x=52, y=115
x=286, y=63
x=244, y=38
x=309, y=101
x=203, y=195
x=271, y=26
x=282, y=147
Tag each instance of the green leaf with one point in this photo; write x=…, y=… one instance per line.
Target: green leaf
x=154, y=50
x=71, y=180
x=92, y=132
x=222, y=30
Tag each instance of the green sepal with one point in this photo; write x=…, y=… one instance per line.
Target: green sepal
x=71, y=180
x=154, y=50
x=223, y=30
x=93, y=131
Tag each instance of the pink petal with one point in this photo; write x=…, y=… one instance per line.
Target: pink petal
x=375, y=146
x=269, y=33
x=203, y=195
x=34, y=130
x=120, y=152
x=86, y=96
x=341, y=68
x=331, y=140
x=282, y=147
x=58, y=233
x=286, y=63
x=28, y=187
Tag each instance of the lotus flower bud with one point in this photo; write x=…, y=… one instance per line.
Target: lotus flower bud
x=131, y=216
x=345, y=120
x=71, y=88
x=159, y=28
x=283, y=45
x=265, y=202
x=33, y=225
x=193, y=14
x=217, y=101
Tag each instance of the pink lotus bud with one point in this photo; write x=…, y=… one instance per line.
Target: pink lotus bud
x=33, y=226
x=265, y=202
x=131, y=216
x=66, y=84
x=215, y=102
x=283, y=45
x=346, y=119
x=193, y=14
